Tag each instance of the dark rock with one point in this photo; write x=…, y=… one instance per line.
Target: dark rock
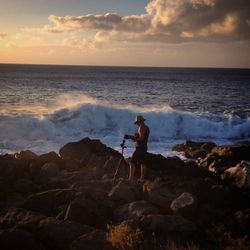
x=72, y=165
x=21, y=218
x=168, y=224
x=23, y=186
x=83, y=149
x=238, y=152
x=26, y=155
x=242, y=221
x=134, y=211
x=58, y=234
x=90, y=208
x=185, y=205
x=13, y=239
x=126, y=191
x=49, y=157
x=92, y=241
x=47, y=202
x=50, y=169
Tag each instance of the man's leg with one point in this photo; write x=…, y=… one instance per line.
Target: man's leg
x=143, y=172
x=131, y=171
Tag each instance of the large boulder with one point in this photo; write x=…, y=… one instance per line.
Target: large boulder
x=126, y=191
x=92, y=241
x=83, y=149
x=134, y=211
x=50, y=169
x=49, y=202
x=184, y=205
x=26, y=155
x=168, y=224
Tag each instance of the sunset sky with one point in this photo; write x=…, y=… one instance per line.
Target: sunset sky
x=186, y=33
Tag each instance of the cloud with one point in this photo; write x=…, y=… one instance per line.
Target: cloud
x=165, y=21
x=3, y=36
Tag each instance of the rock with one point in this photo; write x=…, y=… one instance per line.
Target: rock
x=90, y=208
x=83, y=149
x=238, y=152
x=58, y=234
x=168, y=224
x=195, y=149
x=23, y=186
x=72, y=165
x=242, y=221
x=18, y=239
x=159, y=195
x=20, y=218
x=26, y=155
x=238, y=176
x=92, y=241
x=49, y=157
x=184, y=205
x=134, y=211
x=50, y=169
x=126, y=191
x=48, y=202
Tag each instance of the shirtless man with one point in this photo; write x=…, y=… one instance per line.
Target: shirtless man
x=139, y=155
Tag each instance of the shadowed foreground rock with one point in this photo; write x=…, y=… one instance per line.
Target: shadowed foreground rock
x=66, y=201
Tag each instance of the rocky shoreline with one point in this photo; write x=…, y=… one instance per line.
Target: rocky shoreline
x=72, y=201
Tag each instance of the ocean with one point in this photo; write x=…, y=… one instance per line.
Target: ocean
x=42, y=107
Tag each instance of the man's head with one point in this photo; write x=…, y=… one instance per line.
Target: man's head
x=139, y=120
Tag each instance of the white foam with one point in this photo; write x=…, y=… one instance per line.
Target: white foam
x=71, y=119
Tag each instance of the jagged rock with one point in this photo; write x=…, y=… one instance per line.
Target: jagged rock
x=48, y=202
x=126, y=191
x=15, y=238
x=50, y=169
x=168, y=224
x=134, y=211
x=92, y=241
x=184, y=205
x=58, y=234
x=239, y=175
x=90, y=208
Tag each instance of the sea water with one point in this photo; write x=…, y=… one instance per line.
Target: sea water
x=42, y=107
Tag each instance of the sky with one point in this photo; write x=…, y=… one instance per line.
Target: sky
x=165, y=33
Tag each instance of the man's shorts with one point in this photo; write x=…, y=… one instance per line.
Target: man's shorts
x=139, y=156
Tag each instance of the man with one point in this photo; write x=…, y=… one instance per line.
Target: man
x=139, y=155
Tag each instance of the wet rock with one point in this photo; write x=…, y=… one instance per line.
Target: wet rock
x=126, y=191
x=92, y=241
x=168, y=224
x=185, y=205
x=48, y=202
x=134, y=211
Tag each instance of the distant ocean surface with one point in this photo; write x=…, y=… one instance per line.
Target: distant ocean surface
x=42, y=107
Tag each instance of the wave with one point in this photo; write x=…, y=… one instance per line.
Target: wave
x=109, y=122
